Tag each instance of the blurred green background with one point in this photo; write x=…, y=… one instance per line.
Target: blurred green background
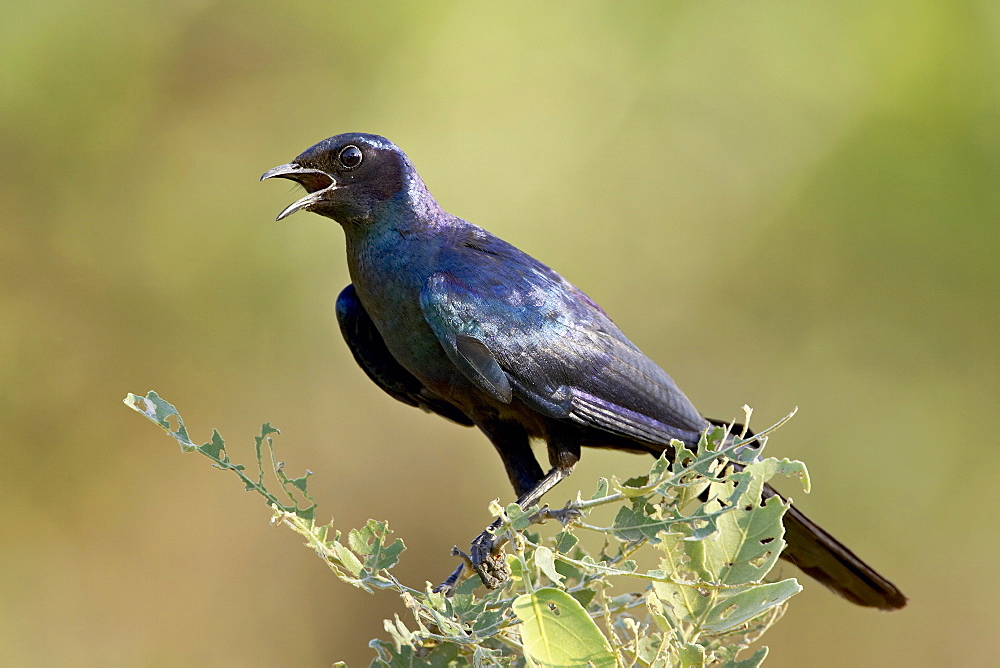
x=784, y=204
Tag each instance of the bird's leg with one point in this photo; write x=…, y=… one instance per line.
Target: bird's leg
x=480, y=544
x=512, y=443
x=486, y=554
x=514, y=447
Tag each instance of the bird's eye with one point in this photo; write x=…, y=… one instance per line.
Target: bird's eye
x=350, y=156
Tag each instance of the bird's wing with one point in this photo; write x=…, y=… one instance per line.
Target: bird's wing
x=374, y=358
x=516, y=328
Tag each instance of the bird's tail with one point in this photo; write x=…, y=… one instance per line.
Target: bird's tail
x=826, y=559
x=829, y=561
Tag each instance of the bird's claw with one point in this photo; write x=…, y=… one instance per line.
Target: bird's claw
x=486, y=556
x=488, y=560
x=451, y=583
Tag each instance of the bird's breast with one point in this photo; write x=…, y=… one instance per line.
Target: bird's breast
x=388, y=275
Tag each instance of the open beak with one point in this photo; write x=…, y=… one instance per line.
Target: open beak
x=317, y=184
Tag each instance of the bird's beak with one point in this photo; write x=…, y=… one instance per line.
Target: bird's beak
x=316, y=182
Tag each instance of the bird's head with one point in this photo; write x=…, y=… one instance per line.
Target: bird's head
x=348, y=177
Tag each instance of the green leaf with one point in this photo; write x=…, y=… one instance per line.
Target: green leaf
x=748, y=543
x=545, y=560
x=215, y=447
x=565, y=541
x=516, y=568
x=520, y=518
x=584, y=596
x=633, y=524
x=160, y=412
x=461, y=602
x=300, y=483
x=662, y=464
x=602, y=488
x=570, y=572
x=441, y=656
x=486, y=623
x=691, y=654
x=653, y=650
x=265, y=430
x=766, y=469
x=683, y=562
x=482, y=614
x=348, y=559
x=557, y=631
x=635, y=488
x=753, y=662
x=750, y=535
x=735, y=607
x=371, y=543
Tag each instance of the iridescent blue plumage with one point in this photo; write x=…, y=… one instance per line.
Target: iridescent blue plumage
x=445, y=316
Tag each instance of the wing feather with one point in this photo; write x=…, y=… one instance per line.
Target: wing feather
x=374, y=358
x=517, y=328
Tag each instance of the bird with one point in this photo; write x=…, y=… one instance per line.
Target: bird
x=444, y=316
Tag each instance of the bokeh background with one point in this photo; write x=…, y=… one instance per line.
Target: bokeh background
x=786, y=204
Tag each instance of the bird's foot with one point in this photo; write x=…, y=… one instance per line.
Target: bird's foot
x=450, y=584
x=488, y=559
x=458, y=576
x=486, y=556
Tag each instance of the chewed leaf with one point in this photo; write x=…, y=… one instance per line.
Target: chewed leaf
x=602, y=489
x=753, y=662
x=557, y=631
x=161, y=412
x=372, y=543
x=691, y=654
x=768, y=468
x=662, y=463
x=348, y=559
x=519, y=518
x=216, y=446
x=631, y=524
x=701, y=506
x=546, y=562
x=749, y=541
x=736, y=607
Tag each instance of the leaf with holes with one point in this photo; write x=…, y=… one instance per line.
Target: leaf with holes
x=557, y=631
x=751, y=535
x=735, y=607
x=748, y=542
x=683, y=563
x=633, y=524
x=602, y=489
x=372, y=543
x=161, y=412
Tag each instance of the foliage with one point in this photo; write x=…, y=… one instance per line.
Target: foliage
x=698, y=512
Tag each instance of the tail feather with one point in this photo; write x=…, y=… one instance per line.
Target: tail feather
x=829, y=561
x=826, y=559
